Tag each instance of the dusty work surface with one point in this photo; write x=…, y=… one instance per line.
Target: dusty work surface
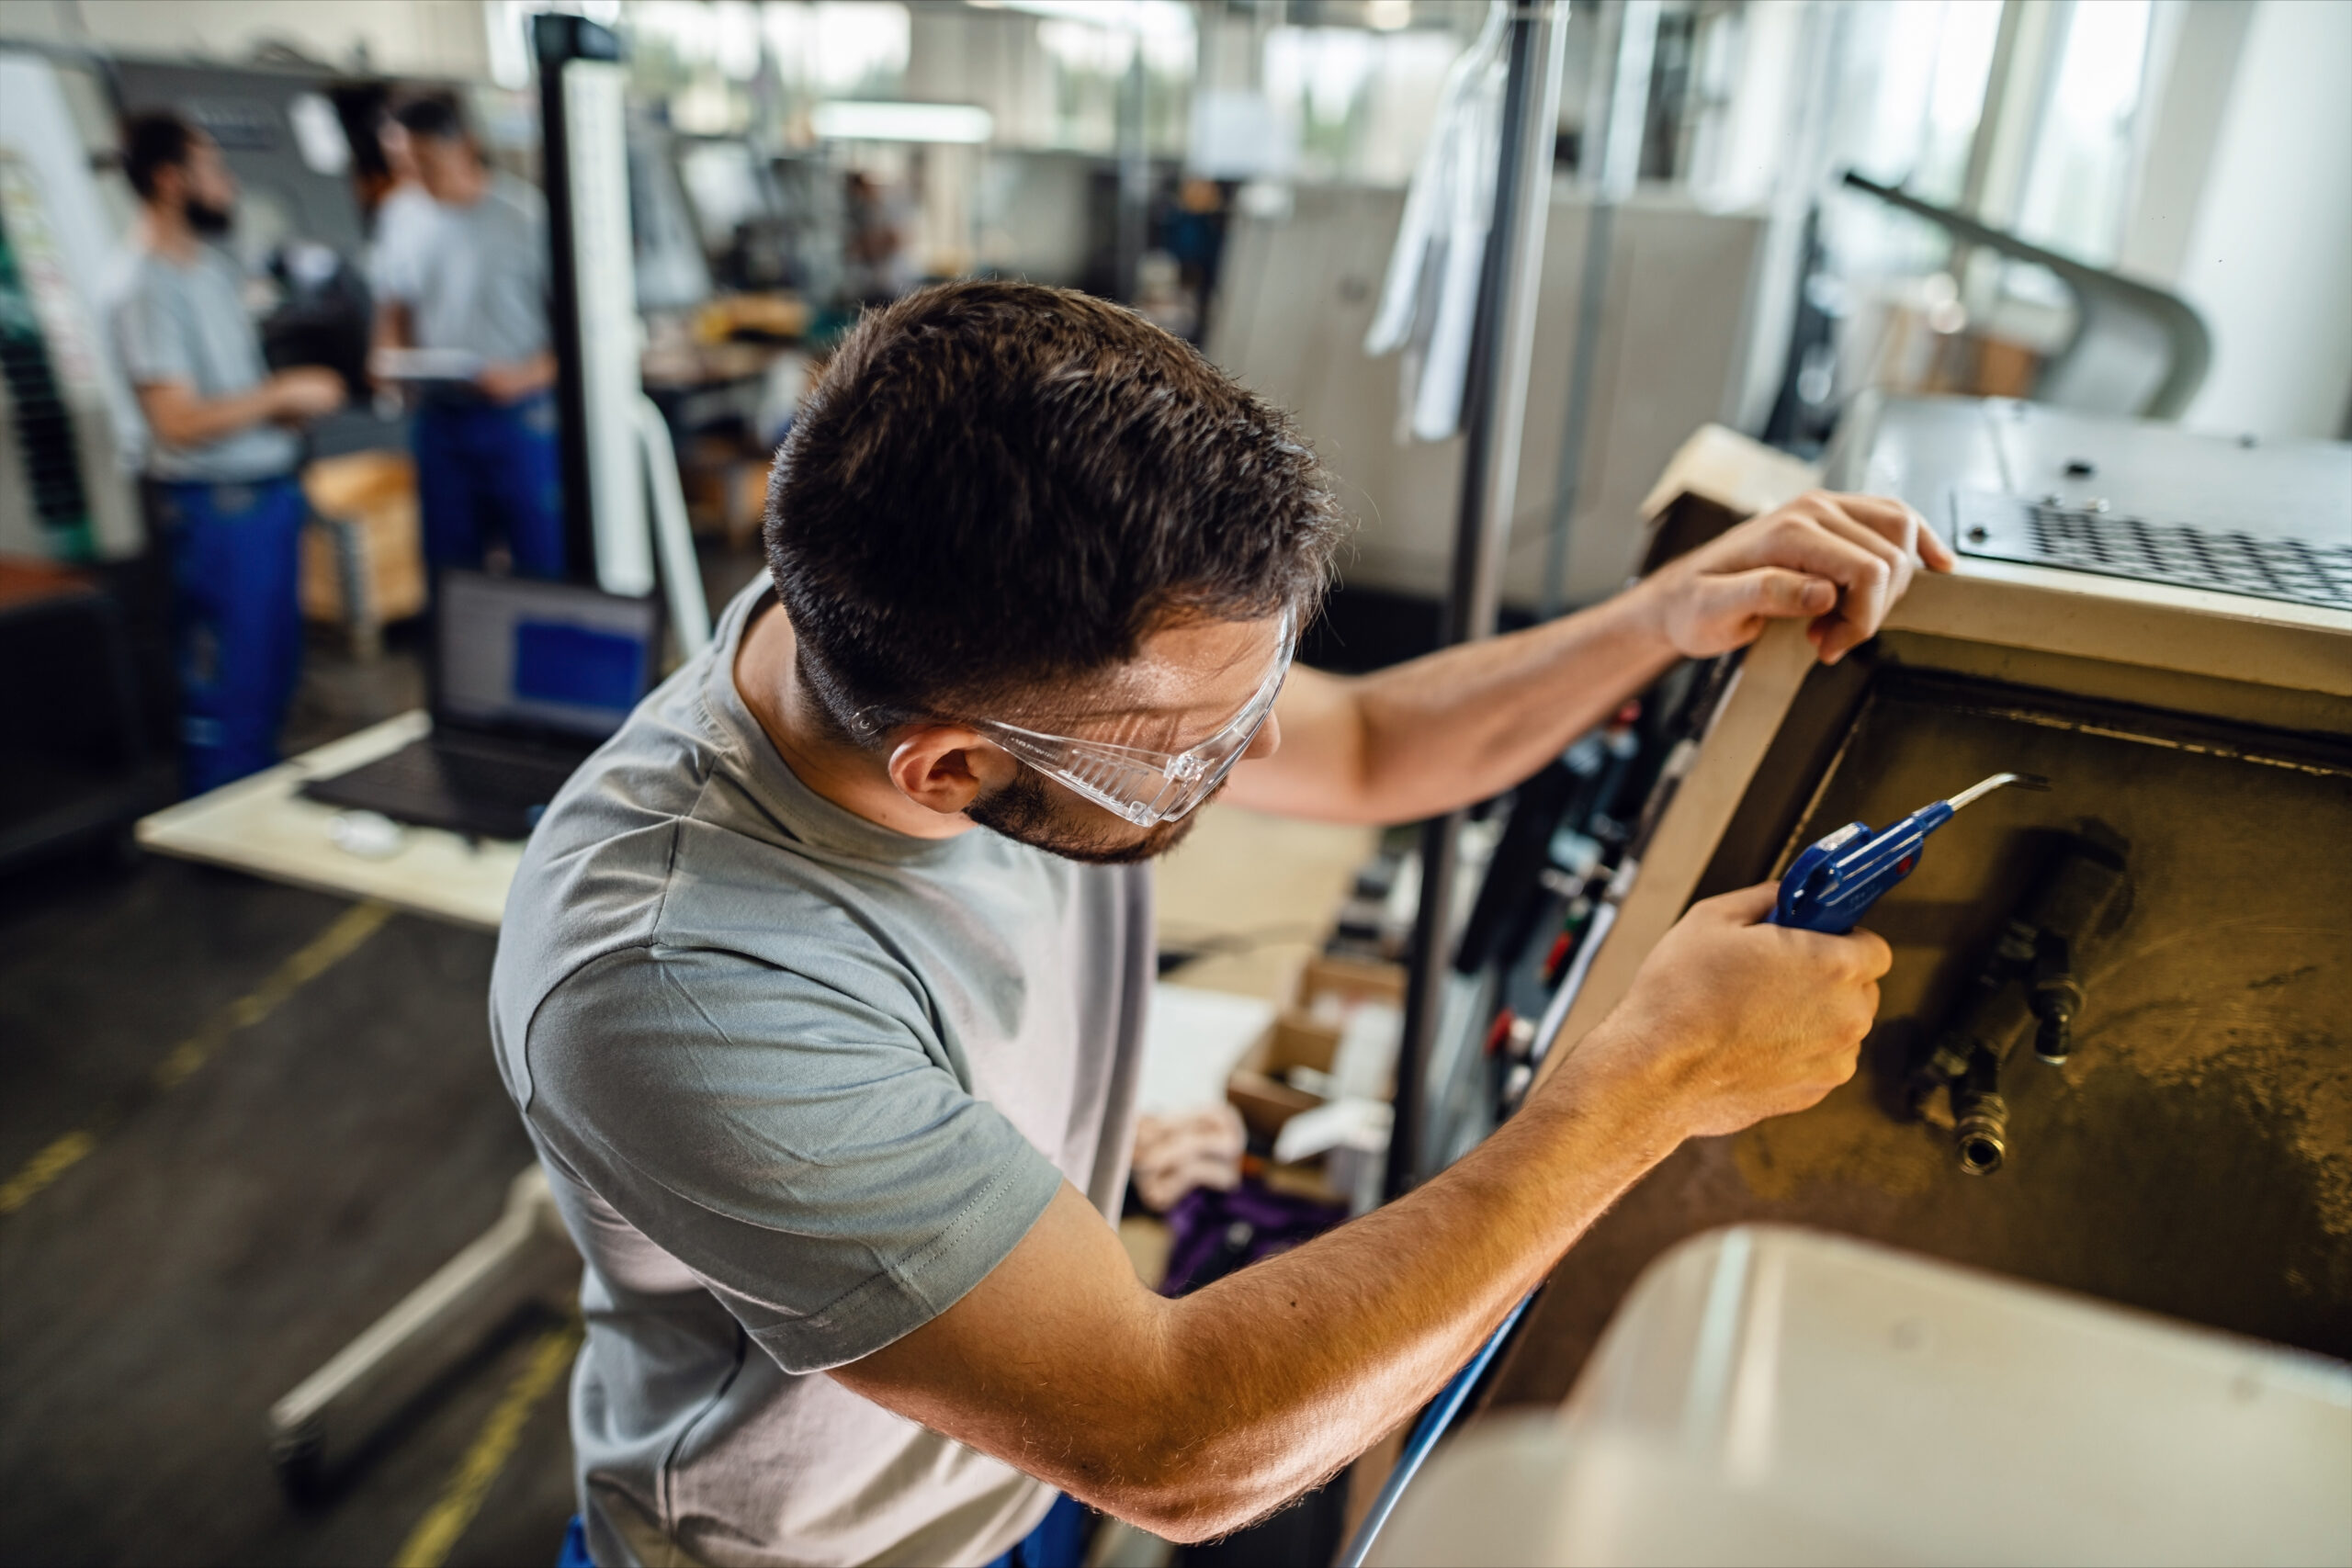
x=2193, y=1158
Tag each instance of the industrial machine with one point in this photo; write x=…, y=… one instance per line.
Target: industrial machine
x=1297, y=293
x=2160, y=625
x=69, y=427
x=2166, y=924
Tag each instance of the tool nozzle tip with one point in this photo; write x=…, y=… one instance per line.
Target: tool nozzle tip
x=2028, y=781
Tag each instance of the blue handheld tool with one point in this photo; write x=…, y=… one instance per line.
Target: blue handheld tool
x=1835, y=882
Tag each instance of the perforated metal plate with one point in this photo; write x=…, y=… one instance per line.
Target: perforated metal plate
x=2272, y=565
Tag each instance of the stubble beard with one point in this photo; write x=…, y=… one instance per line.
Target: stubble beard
x=1026, y=812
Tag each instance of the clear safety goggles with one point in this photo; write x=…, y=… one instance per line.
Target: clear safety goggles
x=1144, y=786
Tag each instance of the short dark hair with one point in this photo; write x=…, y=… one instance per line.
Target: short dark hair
x=434, y=115
x=153, y=142
x=997, y=484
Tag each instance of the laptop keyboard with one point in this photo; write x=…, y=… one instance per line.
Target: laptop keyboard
x=516, y=783
x=448, y=785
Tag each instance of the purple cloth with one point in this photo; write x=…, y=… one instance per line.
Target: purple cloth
x=1213, y=1234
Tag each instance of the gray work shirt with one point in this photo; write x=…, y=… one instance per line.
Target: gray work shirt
x=405, y=224
x=799, y=1082
x=476, y=276
x=187, y=324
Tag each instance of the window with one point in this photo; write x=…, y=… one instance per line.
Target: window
x=2079, y=175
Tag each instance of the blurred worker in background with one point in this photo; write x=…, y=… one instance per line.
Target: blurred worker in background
x=475, y=280
x=401, y=227
x=223, y=455
x=877, y=266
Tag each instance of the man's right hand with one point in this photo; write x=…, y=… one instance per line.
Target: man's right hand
x=305, y=391
x=1729, y=1021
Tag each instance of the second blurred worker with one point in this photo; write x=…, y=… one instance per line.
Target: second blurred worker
x=477, y=281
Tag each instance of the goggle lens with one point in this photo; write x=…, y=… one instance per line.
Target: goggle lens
x=1147, y=787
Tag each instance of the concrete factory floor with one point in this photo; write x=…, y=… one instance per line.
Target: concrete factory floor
x=219, y=1160
x=322, y=1146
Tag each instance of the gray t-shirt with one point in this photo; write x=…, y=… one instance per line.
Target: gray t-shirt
x=188, y=325
x=475, y=277
x=799, y=1082
x=403, y=235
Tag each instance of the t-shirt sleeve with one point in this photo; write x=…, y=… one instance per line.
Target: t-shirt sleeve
x=391, y=265
x=805, y=1152
x=151, y=342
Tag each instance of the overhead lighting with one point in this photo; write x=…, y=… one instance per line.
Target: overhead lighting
x=850, y=120
x=1132, y=16
x=1387, y=15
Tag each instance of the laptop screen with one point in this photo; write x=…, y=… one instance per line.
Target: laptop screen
x=548, y=655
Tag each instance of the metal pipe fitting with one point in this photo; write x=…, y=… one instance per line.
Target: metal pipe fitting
x=2056, y=999
x=1980, y=1140
x=1980, y=1133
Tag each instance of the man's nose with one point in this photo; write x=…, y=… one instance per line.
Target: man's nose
x=1267, y=741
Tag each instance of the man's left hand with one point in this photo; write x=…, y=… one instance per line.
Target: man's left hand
x=1841, y=560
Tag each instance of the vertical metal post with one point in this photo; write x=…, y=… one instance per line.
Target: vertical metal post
x=1134, y=174
x=1615, y=163
x=1495, y=406
x=557, y=39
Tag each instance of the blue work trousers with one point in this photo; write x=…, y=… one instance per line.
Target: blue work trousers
x=237, y=622
x=490, y=471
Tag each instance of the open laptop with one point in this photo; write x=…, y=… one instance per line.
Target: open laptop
x=528, y=677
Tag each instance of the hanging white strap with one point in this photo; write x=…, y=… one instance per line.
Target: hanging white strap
x=673, y=538
x=1428, y=201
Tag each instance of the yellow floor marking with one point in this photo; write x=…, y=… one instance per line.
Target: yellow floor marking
x=321, y=953
x=429, y=1545
x=318, y=956
x=43, y=1168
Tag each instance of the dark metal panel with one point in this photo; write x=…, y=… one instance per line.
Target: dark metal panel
x=2194, y=1157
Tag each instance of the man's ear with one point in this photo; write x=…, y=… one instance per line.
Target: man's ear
x=945, y=767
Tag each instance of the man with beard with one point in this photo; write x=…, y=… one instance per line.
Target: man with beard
x=221, y=454
x=821, y=985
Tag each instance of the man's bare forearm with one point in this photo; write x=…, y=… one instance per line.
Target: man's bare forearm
x=392, y=326
x=1470, y=722
x=1456, y=726
x=1193, y=1417
x=1286, y=1371
x=180, y=418
x=1464, y=724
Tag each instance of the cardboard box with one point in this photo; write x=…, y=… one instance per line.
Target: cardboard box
x=1352, y=980
x=1257, y=1088
x=1305, y=1036
x=365, y=565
